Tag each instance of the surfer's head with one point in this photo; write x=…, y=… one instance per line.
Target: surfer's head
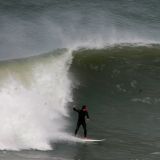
x=84, y=108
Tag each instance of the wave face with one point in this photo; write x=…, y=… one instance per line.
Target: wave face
x=34, y=93
x=120, y=85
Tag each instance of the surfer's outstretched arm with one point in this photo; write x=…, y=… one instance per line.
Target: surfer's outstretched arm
x=75, y=109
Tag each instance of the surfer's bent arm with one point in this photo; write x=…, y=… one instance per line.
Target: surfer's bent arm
x=75, y=109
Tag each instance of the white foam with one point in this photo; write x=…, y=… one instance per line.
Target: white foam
x=33, y=112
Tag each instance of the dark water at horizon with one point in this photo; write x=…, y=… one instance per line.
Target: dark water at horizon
x=33, y=27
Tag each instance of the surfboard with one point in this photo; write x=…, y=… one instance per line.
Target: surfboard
x=92, y=140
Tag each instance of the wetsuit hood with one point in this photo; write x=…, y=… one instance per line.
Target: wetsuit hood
x=84, y=108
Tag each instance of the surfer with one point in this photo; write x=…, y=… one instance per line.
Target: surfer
x=82, y=113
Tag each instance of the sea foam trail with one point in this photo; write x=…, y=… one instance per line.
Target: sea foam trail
x=34, y=93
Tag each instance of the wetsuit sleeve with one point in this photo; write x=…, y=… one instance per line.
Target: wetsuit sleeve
x=76, y=109
x=87, y=115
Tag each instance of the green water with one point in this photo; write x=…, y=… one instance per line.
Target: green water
x=120, y=85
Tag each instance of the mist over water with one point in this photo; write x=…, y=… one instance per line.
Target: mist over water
x=29, y=28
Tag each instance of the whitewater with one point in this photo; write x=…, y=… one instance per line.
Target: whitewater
x=34, y=93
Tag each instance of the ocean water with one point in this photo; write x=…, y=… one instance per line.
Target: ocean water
x=56, y=55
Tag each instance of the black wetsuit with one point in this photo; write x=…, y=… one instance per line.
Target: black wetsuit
x=81, y=120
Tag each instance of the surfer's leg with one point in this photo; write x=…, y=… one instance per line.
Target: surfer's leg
x=77, y=128
x=85, y=129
